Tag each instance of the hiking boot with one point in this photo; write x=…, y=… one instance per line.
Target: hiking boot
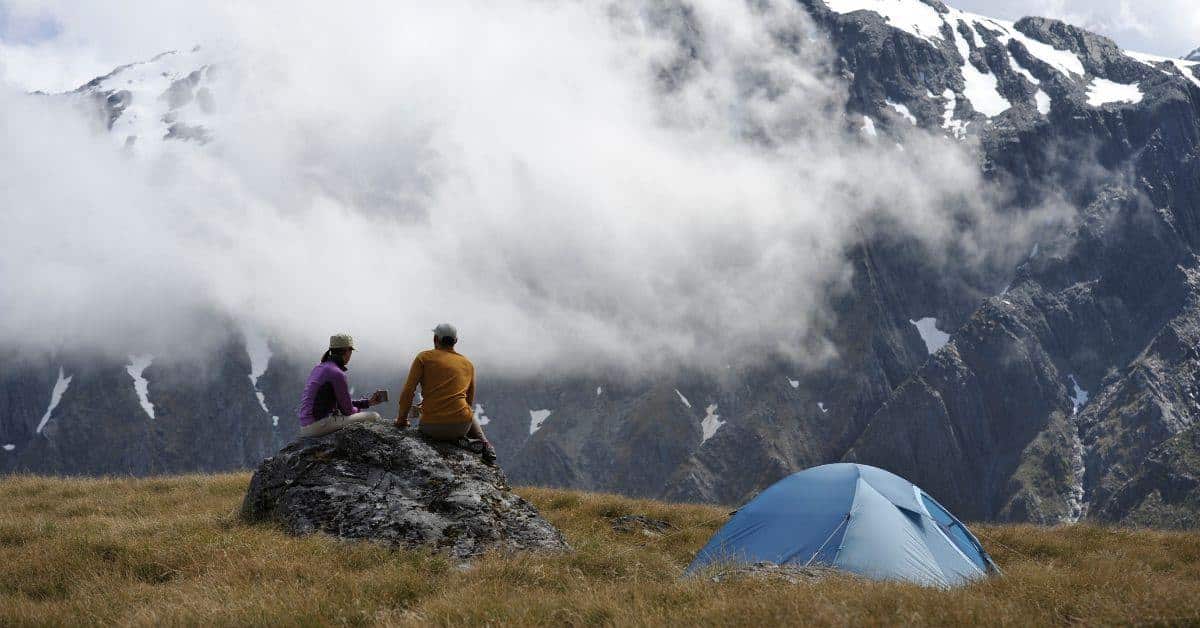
x=489, y=453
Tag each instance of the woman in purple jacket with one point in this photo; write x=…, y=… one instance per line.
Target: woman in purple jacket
x=326, y=405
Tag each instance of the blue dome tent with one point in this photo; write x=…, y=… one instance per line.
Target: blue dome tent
x=853, y=517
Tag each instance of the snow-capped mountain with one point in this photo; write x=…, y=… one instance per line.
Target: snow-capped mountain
x=1066, y=387
x=168, y=97
x=1194, y=56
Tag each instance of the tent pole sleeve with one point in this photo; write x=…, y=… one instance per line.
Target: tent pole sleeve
x=827, y=539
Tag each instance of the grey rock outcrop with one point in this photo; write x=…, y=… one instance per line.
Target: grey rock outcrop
x=375, y=482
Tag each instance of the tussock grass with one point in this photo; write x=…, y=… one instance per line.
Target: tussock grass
x=171, y=551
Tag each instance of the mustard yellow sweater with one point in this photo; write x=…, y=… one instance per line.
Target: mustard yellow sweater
x=447, y=380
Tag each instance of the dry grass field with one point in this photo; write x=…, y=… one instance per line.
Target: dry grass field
x=171, y=551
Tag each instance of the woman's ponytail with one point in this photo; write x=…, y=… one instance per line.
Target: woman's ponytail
x=337, y=356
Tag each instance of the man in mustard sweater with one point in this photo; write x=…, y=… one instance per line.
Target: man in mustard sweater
x=447, y=380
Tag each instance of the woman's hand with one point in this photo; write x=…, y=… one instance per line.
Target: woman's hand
x=378, y=397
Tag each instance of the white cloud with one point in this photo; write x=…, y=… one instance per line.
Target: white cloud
x=381, y=172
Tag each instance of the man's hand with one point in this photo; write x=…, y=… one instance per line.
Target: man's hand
x=378, y=397
x=413, y=413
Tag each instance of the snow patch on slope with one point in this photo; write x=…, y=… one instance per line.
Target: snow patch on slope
x=1186, y=68
x=1043, y=101
x=1102, y=92
x=1065, y=62
x=903, y=110
x=1076, y=506
x=683, y=399
x=983, y=90
x=1023, y=71
x=868, y=127
x=1079, y=396
x=923, y=21
x=136, y=368
x=56, y=395
x=914, y=17
x=9, y=447
x=933, y=337
x=151, y=105
x=536, y=418
x=260, y=356
x=957, y=128
x=711, y=423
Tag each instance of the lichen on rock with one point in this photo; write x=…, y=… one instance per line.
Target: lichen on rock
x=377, y=482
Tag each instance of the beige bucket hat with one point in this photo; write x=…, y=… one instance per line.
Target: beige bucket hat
x=341, y=341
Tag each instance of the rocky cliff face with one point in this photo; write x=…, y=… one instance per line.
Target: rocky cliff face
x=1064, y=385
x=189, y=415
x=999, y=423
x=1165, y=489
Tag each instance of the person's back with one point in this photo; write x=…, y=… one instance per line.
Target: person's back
x=447, y=380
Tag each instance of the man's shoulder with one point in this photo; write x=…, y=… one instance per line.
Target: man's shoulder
x=449, y=357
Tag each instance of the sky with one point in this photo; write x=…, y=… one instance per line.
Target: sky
x=56, y=45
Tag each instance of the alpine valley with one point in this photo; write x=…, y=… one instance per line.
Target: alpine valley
x=1063, y=388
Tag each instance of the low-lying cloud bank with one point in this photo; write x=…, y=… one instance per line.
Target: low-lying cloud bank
x=574, y=184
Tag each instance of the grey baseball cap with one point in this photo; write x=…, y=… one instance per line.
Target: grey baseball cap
x=445, y=330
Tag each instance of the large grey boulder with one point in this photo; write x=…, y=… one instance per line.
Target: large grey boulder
x=380, y=483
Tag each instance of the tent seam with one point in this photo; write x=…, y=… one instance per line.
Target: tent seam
x=827, y=540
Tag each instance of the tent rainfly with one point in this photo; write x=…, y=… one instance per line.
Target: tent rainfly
x=856, y=518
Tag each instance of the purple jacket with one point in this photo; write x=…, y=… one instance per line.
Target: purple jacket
x=328, y=390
